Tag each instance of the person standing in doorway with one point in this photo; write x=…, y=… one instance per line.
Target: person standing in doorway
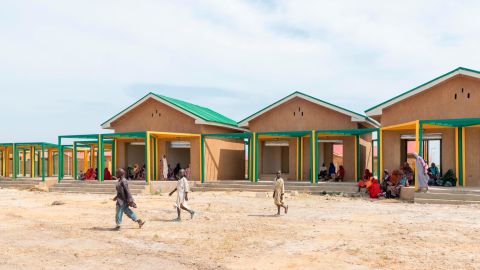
x=279, y=192
x=182, y=190
x=164, y=167
x=124, y=201
x=421, y=171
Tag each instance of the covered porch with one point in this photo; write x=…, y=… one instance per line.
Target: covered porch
x=455, y=135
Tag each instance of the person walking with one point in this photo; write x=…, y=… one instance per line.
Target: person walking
x=278, y=193
x=182, y=190
x=124, y=201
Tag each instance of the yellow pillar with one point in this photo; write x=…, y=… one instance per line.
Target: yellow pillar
x=380, y=151
x=148, y=158
x=457, y=174
x=418, y=144
x=32, y=161
x=464, y=161
x=356, y=160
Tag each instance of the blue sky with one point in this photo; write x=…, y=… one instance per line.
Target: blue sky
x=67, y=66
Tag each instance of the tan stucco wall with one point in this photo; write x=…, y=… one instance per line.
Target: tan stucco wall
x=282, y=118
x=437, y=103
x=156, y=116
x=472, y=156
x=224, y=159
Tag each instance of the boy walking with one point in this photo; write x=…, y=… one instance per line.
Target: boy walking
x=124, y=201
x=182, y=190
x=278, y=193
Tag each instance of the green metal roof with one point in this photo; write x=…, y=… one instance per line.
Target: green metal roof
x=203, y=113
x=458, y=122
x=314, y=98
x=413, y=89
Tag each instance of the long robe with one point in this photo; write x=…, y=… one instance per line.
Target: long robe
x=279, y=190
x=182, y=188
x=164, y=168
x=421, y=171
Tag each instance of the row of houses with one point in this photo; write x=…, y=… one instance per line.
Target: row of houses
x=297, y=135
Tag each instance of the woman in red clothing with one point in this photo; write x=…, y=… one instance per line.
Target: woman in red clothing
x=374, y=189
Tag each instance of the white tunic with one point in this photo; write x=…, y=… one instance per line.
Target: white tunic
x=182, y=188
x=165, y=168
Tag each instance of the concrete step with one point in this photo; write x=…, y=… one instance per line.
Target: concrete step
x=439, y=201
x=454, y=190
x=448, y=196
x=213, y=189
x=91, y=190
x=17, y=186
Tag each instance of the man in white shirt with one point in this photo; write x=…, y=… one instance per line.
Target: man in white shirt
x=182, y=190
x=164, y=167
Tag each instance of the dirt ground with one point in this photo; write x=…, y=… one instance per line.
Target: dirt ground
x=235, y=231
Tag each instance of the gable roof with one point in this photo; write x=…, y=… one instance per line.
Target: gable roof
x=356, y=117
x=377, y=109
x=202, y=115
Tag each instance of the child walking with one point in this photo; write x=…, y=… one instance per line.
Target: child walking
x=278, y=193
x=182, y=190
x=124, y=200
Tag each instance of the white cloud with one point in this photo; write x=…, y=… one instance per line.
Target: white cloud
x=66, y=66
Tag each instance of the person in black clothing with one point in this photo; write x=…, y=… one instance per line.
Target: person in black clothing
x=176, y=171
x=124, y=201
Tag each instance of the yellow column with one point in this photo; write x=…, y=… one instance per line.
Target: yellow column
x=380, y=146
x=296, y=158
x=85, y=161
x=148, y=159
x=50, y=163
x=456, y=154
x=418, y=144
x=464, y=161
x=301, y=158
x=32, y=161
x=356, y=161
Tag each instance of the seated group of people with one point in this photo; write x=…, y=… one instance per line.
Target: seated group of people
x=136, y=173
x=331, y=173
x=172, y=174
x=370, y=184
x=92, y=174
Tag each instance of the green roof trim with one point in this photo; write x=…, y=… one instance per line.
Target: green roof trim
x=350, y=132
x=245, y=135
x=309, y=96
x=454, y=122
x=422, y=85
x=294, y=133
x=203, y=113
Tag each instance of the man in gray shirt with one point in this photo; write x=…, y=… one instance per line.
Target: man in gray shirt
x=124, y=201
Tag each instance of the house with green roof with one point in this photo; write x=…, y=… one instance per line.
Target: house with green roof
x=438, y=119
x=174, y=129
x=300, y=134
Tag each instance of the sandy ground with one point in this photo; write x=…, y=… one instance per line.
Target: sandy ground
x=235, y=231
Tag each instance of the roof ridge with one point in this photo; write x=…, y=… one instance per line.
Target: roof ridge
x=305, y=95
x=421, y=85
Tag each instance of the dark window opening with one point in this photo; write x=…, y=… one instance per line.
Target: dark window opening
x=468, y=95
x=298, y=108
x=462, y=90
x=302, y=113
x=455, y=96
x=152, y=114
x=293, y=113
